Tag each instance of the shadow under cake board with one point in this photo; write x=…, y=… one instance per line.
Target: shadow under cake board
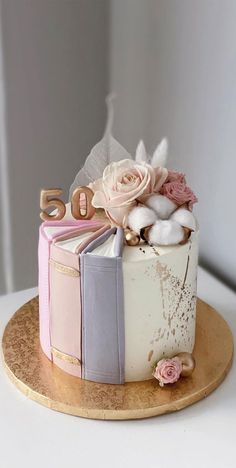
x=32, y=372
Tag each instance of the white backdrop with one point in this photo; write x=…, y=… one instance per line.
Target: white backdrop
x=54, y=81
x=173, y=66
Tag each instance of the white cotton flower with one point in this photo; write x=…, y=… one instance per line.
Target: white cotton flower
x=140, y=217
x=185, y=218
x=166, y=232
x=166, y=223
x=161, y=205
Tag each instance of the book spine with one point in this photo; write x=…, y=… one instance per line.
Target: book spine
x=65, y=299
x=65, y=310
x=103, y=341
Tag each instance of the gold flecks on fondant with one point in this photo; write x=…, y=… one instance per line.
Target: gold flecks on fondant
x=177, y=303
x=164, y=274
x=185, y=277
x=159, y=334
x=163, y=271
x=155, y=251
x=150, y=355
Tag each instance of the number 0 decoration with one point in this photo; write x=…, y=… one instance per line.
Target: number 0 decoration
x=77, y=203
x=81, y=204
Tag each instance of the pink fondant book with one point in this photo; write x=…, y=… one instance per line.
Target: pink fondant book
x=65, y=298
x=49, y=233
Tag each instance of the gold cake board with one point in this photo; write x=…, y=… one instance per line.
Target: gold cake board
x=33, y=374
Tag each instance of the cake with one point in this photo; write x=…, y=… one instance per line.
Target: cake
x=117, y=291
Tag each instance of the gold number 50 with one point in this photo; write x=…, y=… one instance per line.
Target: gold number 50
x=81, y=207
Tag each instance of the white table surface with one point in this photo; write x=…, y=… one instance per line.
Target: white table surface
x=202, y=435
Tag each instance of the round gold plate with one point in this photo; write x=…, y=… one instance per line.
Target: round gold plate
x=40, y=380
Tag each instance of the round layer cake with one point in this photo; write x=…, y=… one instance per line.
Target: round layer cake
x=109, y=311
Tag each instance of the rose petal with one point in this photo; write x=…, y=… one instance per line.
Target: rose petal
x=99, y=200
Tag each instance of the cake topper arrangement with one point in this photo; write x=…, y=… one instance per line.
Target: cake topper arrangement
x=139, y=194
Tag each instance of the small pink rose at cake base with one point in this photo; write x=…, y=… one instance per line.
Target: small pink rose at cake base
x=168, y=371
x=123, y=184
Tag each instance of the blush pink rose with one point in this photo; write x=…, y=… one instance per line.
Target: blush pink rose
x=179, y=193
x=174, y=176
x=123, y=184
x=168, y=371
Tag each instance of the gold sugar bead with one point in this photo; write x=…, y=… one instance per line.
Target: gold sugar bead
x=132, y=238
x=188, y=363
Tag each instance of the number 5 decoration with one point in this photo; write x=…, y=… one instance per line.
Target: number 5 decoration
x=81, y=204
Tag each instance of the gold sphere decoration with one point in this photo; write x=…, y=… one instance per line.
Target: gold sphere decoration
x=132, y=238
x=188, y=363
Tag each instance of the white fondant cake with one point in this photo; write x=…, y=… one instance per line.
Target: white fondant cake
x=159, y=299
x=118, y=292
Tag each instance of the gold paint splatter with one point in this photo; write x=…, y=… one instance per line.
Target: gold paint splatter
x=150, y=355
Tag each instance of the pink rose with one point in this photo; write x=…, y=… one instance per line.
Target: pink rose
x=175, y=189
x=123, y=184
x=168, y=371
x=174, y=176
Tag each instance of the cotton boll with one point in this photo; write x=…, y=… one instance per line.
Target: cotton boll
x=161, y=205
x=184, y=218
x=140, y=217
x=166, y=232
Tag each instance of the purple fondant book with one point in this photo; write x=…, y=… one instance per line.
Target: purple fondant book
x=103, y=338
